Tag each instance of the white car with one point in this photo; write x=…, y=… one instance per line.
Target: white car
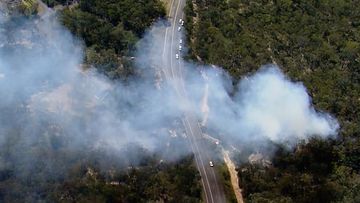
x=211, y=164
x=177, y=56
x=180, y=47
x=179, y=29
x=180, y=41
x=180, y=21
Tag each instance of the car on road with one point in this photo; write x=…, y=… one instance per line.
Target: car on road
x=211, y=164
x=182, y=23
x=181, y=20
x=179, y=29
x=180, y=47
x=180, y=41
x=177, y=56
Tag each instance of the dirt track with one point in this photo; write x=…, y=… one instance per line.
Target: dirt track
x=233, y=177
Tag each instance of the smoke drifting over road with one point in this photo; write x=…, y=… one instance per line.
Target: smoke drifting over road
x=45, y=95
x=265, y=106
x=48, y=100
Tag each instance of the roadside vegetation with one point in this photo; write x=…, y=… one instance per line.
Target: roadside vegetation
x=110, y=30
x=224, y=177
x=315, y=42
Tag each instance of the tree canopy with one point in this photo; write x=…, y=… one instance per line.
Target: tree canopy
x=110, y=30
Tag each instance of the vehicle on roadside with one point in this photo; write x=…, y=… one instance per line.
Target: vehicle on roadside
x=180, y=41
x=177, y=56
x=180, y=47
x=179, y=29
x=211, y=164
x=182, y=23
x=181, y=20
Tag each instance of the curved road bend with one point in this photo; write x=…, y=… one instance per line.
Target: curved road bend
x=213, y=190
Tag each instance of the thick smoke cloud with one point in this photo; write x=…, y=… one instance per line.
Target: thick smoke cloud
x=267, y=105
x=45, y=93
x=280, y=109
x=52, y=102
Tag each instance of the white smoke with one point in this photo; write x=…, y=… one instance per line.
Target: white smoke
x=265, y=106
x=40, y=71
x=43, y=83
x=268, y=105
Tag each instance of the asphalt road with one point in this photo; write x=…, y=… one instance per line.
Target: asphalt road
x=173, y=71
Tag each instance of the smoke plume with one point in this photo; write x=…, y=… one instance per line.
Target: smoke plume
x=267, y=105
x=48, y=98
